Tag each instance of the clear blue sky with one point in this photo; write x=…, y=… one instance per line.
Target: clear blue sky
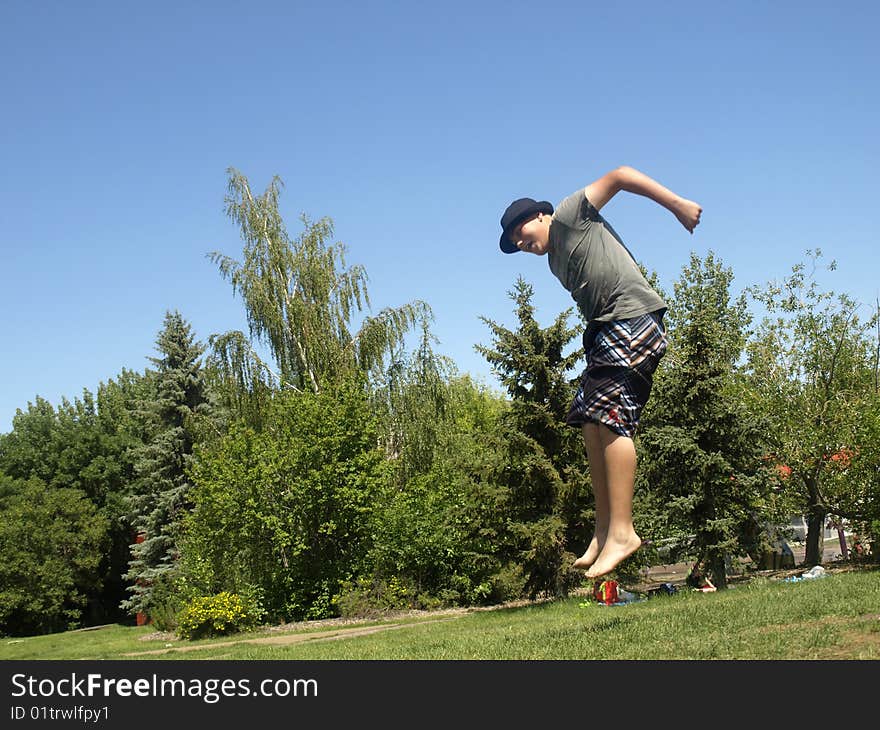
x=411, y=125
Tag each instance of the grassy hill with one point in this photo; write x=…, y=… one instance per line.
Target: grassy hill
x=833, y=617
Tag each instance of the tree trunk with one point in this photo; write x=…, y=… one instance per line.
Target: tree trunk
x=718, y=572
x=842, y=538
x=817, y=512
x=815, y=539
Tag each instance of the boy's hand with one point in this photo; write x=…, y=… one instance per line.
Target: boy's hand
x=688, y=213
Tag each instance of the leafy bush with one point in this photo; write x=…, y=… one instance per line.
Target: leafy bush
x=293, y=503
x=506, y=584
x=368, y=597
x=224, y=613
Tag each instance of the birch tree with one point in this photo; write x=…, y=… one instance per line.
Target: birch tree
x=301, y=300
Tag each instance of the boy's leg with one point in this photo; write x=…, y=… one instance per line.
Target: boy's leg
x=593, y=445
x=615, y=387
x=621, y=540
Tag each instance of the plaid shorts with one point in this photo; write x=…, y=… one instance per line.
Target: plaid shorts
x=621, y=361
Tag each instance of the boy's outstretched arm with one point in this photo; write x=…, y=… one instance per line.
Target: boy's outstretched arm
x=632, y=181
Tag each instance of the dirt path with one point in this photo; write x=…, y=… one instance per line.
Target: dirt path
x=293, y=638
x=339, y=628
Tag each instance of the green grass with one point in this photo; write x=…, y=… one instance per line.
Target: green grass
x=835, y=617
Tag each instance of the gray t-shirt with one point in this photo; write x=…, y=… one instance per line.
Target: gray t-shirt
x=592, y=262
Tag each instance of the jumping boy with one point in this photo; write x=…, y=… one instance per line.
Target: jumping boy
x=623, y=342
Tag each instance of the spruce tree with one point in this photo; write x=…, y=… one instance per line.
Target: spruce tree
x=546, y=472
x=160, y=498
x=701, y=448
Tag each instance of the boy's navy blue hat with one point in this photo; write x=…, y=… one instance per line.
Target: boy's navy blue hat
x=516, y=213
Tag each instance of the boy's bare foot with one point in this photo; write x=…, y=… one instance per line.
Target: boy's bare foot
x=589, y=557
x=613, y=554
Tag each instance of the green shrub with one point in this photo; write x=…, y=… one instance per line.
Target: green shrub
x=224, y=613
x=164, y=615
x=166, y=600
x=368, y=597
x=507, y=583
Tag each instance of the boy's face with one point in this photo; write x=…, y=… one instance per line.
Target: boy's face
x=533, y=235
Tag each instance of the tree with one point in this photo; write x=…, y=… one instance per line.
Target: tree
x=51, y=545
x=865, y=471
x=123, y=432
x=160, y=497
x=546, y=471
x=814, y=366
x=292, y=501
x=438, y=524
x=300, y=301
x=413, y=403
x=469, y=460
x=701, y=449
x=863, y=475
x=86, y=445
x=31, y=449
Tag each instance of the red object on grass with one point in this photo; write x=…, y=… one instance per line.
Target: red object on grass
x=606, y=592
